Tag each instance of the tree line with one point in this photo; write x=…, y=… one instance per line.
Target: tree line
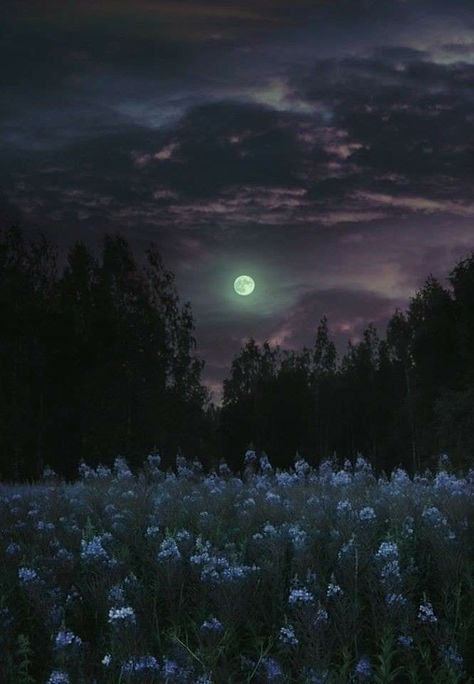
x=95, y=361
x=402, y=399
x=98, y=359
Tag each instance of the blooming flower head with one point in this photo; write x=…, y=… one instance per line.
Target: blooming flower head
x=106, y=660
x=58, y=677
x=297, y=536
x=367, y=513
x=93, y=549
x=140, y=665
x=271, y=497
x=334, y=590
x=65, y=638
x=273, y=671
x=265, y=465
x=27, y=575
x=434, y=516
x=405, y=641
x=121, y=469
x=395, y=600
x=169, y=550
x=124, y=615
x=426, y=613
x=300, y=597
x=212, y=625
x=362, y=465
x=171, y=670
x=452, y=657
x=387, y=551
x=288, y=636
x=344, y=507
x=12, y=549
x=154, y=460
x=341, y=478
x=250, y=457
x=363, y=668
x=152, y=531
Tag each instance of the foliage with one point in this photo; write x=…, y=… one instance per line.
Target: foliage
x=95, y=361
x=326, y=574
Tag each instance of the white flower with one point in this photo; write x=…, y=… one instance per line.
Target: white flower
x=126, y=614
x=341, y=478
x=334, y=590
x=426, y=614
x=387, y=551
x=395, y=600
x=300, y=596
x=169, y=550
x=367, y=513
x=297, y=536
x=152, y=531
x=93, y=549
x=434, y=516
x=58, y=677
x=288, y=636
x=27, y=575
x=344, y=506
x=66, y=638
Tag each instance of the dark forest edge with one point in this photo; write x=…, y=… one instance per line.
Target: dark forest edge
x=98, y=360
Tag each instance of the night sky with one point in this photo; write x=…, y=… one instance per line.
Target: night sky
x=324, y=148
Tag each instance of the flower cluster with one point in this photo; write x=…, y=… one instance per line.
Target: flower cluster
x=300, y=597
x=288, y=635
x=66, y=638
x=426, y=613
x=205, y=551
x=140, y=665
x=27, y=575
x=123, y=615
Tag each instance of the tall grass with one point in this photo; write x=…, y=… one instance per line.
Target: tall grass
x=314, y=575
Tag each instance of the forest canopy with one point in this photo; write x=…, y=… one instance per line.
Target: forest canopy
x=98, y=359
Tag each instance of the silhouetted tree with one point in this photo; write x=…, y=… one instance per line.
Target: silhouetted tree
x=95, y=362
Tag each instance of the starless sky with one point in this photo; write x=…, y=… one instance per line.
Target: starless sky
x=323, y=147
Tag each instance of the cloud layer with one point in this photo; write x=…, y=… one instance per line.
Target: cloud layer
x=326, y=146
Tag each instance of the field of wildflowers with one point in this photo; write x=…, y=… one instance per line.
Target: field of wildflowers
x=317, y=575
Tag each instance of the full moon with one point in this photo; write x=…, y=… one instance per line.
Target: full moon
x=244, y=285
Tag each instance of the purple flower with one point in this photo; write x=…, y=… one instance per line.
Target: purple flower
x=27, y=575
x=300, y=597
x=212, y=625
x=273, y=671
x=66, y=638
x=452, y=658
x=426, y=614
x=363, y=668
x=405, y=641
x=288, y=636
x=142, y=664
x=58, y=677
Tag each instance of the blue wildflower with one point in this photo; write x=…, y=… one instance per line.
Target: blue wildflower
x=363, y=668
x=273, y=671
x=58, y=677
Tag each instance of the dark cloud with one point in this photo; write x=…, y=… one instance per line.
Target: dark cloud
x=409, y=116
x=324, y=146
x=229, y=144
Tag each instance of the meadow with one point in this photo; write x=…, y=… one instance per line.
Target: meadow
x=330, y=574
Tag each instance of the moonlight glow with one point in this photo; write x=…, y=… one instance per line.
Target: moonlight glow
x=244, y=285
